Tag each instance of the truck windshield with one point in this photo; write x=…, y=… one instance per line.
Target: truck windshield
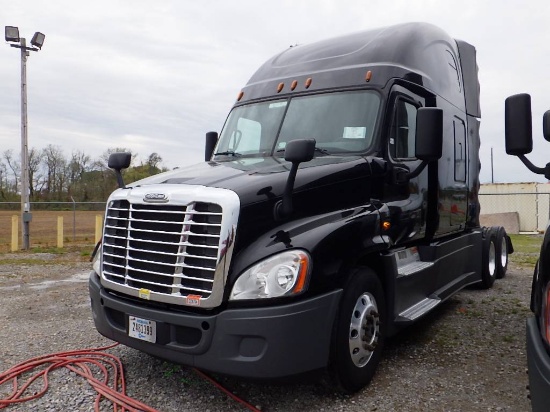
x=340, y=122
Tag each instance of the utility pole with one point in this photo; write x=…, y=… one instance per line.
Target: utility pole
x=492, y=175
x=12, y=35
x=26, y=215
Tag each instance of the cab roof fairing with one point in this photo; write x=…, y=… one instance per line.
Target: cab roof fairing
x=417, y=52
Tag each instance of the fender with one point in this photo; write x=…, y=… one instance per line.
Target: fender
x=336, y=241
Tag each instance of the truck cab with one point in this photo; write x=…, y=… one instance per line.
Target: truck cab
x=338, y=204
x=519, y=142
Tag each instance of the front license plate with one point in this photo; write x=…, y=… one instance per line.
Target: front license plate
x=143, y=329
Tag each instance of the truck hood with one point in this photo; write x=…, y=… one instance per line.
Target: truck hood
x=255, y=178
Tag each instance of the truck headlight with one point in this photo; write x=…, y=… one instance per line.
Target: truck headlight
x=284, y=274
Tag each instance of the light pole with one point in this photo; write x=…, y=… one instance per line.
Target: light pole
x=12, y=36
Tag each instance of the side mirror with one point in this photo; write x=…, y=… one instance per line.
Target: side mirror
x=211, y=140
x=546, y=125
x=519, y=130
x=117, y=162
x=518, y=124
x=429, y=139
x=429, y=133
x=296, y=151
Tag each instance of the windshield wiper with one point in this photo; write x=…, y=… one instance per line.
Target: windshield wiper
x=228, y=153
x=324, y=151
x=317, y=149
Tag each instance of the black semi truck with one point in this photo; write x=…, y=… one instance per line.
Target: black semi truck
x=338, y=205
x=519, y=142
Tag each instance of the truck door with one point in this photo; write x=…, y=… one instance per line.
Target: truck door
x=458, y=198
x=410, y=210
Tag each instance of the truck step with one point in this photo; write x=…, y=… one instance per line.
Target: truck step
x=408, y=262
x=422, y=307
x=413, y=267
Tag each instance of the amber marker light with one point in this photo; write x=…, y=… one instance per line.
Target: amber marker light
x=368, y=76
x=386, y=225
x=240, y=96
x=302, y=276
x=308, y=82
x=294, y=84
x=280, y=87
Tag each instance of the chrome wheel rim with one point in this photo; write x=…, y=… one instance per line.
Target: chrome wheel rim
x=503, y=253
x=492, y=261
x=364, y=330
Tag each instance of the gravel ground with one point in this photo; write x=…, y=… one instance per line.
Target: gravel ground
x=469, y=355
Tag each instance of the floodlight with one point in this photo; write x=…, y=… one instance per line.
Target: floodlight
x=12, y=33
x=38, y=39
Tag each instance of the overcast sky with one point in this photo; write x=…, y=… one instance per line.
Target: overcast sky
x=155, y=76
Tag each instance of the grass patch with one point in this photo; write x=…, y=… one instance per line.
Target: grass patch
x=52, y=250
x=526, y=249
x=30, y=261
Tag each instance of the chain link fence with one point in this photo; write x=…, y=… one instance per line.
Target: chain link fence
x=79, y=223
x=529, y=201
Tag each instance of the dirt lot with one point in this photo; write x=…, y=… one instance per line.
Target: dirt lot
x=469, y=355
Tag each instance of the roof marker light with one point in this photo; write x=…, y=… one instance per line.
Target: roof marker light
x=280, y=87
x=240, y=96
x=308, y=82
x=368, y=76
x=294, y=84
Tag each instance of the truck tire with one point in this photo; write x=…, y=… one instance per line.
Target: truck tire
x=359, y=332
x=501, y=252
x=489, y=258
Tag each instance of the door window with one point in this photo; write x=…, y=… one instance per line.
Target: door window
x=403, y=131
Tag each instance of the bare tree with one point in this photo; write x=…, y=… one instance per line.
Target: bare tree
x=3, y=180
x=55, y=165
x=35, y=160
x=13, y=168
x=78, y=164
x=53, y=177
x=154, y=160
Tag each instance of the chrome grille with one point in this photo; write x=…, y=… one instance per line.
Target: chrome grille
x=167, y=249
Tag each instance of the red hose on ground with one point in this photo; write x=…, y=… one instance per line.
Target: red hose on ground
x=81, y=363
x=227, y=392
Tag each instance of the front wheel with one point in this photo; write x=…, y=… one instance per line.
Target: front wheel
x=359, y=332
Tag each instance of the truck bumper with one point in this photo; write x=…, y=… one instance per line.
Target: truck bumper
x=267, y=342
x=538, y=361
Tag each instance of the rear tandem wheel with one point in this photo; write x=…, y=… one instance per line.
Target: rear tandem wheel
x=501, y=251
x=489, y=259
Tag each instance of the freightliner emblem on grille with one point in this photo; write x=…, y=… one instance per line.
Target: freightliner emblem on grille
x=155, y=198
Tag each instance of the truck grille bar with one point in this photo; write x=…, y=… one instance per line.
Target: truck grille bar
x=168, y=249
